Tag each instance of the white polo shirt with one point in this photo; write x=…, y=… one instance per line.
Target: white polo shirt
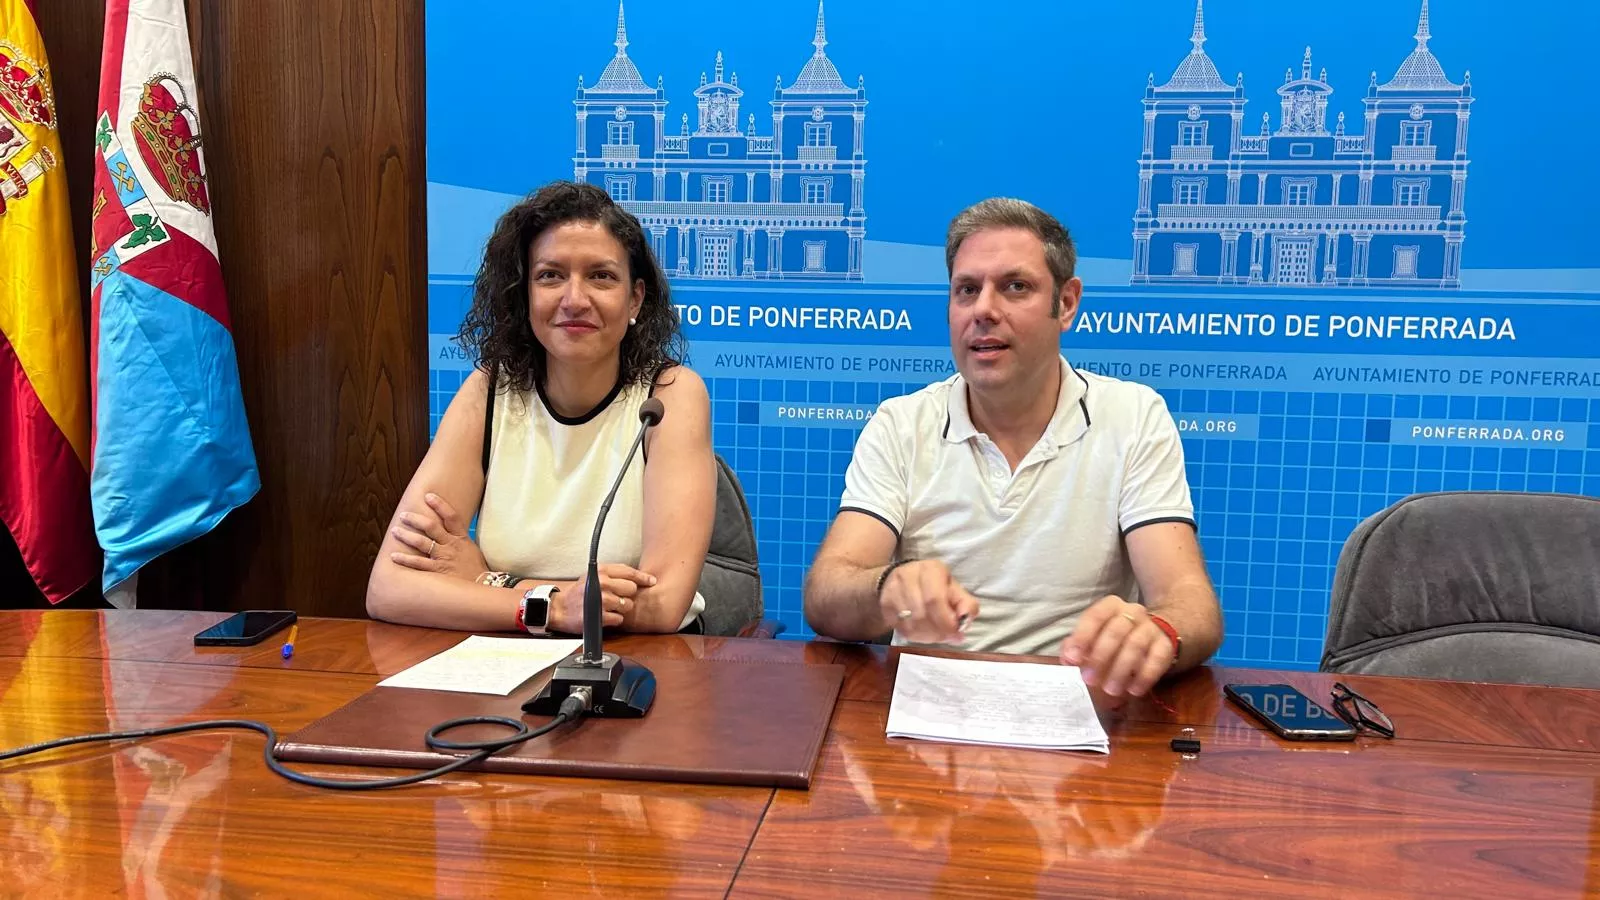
x=1037, y=546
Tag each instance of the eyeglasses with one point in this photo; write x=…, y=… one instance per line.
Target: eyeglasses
x=1360, y=712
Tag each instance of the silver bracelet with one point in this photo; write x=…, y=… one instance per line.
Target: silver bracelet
x=498, y=579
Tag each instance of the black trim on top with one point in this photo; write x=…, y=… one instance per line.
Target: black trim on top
x=1082, y=404
x=868, y=512
x=1187, y=521
x=644, y=446
x=656, y=377
x=488, y=419
x=579, y=420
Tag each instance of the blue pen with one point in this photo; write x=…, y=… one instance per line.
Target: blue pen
x=288, y=645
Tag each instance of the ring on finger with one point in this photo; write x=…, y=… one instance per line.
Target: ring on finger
x=432, y=544
x=905, y=614
x=1130, y=617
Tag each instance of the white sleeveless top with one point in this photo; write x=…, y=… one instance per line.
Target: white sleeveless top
x=548, y=475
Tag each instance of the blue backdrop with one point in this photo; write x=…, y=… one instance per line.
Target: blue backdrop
x=1347, y=248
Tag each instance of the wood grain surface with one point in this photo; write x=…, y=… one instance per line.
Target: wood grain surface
x=1422, y=709
x=356, y=646
x=1490, y=790
x=1246, y=817
x=199, y=814
x=314, y=136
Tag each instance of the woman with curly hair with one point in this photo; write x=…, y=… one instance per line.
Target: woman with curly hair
x=573, y=329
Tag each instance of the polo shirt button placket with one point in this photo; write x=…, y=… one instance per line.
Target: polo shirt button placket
x=996, y=463
x=1006, y=483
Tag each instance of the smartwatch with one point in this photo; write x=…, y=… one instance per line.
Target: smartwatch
x=533, y=613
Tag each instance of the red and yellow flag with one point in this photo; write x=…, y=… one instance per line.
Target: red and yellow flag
x=44, y=390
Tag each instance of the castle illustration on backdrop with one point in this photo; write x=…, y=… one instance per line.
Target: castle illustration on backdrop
x=1373, y=202
x=1378, y=201
x=718, y=198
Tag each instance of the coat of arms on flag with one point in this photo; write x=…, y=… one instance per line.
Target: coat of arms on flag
x=168, y=134
x=172, y=449
x=129, y=227
x=44, y=390
x=25, y=99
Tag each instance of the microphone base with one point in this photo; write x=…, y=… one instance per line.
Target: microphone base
x=621, y=688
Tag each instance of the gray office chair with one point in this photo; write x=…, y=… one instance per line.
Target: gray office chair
x=731, y=579
x=1471, y=586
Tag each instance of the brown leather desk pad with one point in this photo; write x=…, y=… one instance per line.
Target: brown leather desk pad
x=742, y=723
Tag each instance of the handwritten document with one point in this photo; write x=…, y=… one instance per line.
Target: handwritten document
x=1003, y=704
x=484, y=665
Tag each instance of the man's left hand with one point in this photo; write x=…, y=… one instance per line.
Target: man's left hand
x=1118, y=648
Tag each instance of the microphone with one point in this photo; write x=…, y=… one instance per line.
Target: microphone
x=617, y=687
x=651, y=411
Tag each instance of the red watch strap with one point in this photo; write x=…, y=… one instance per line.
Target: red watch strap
x=1172, y=633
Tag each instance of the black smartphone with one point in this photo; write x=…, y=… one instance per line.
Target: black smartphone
x=246, y=628
x=1290, y=714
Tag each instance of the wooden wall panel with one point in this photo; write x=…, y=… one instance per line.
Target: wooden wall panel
x=72, y=32
x=312, y=115
x=314, y=133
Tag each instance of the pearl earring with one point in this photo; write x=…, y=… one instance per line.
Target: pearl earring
x=632, y=321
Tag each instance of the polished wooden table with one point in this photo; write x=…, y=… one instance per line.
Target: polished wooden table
x=1490, y=790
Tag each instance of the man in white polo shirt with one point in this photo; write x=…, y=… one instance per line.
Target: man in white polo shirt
x=1021, y=506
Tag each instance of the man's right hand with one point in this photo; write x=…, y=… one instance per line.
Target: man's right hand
x=923, y=602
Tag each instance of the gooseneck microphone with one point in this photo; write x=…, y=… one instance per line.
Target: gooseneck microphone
x=650, y=413
x=617, y=687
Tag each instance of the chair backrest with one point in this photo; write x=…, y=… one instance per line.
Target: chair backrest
x=1471, y=586
x=731, y=579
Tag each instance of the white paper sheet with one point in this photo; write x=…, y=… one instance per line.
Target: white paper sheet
x=484, y=665
x=1004, y=704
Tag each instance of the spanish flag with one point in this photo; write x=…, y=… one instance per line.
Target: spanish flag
x=44, y=391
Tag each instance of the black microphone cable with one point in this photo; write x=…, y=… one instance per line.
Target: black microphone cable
x=573, y=708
